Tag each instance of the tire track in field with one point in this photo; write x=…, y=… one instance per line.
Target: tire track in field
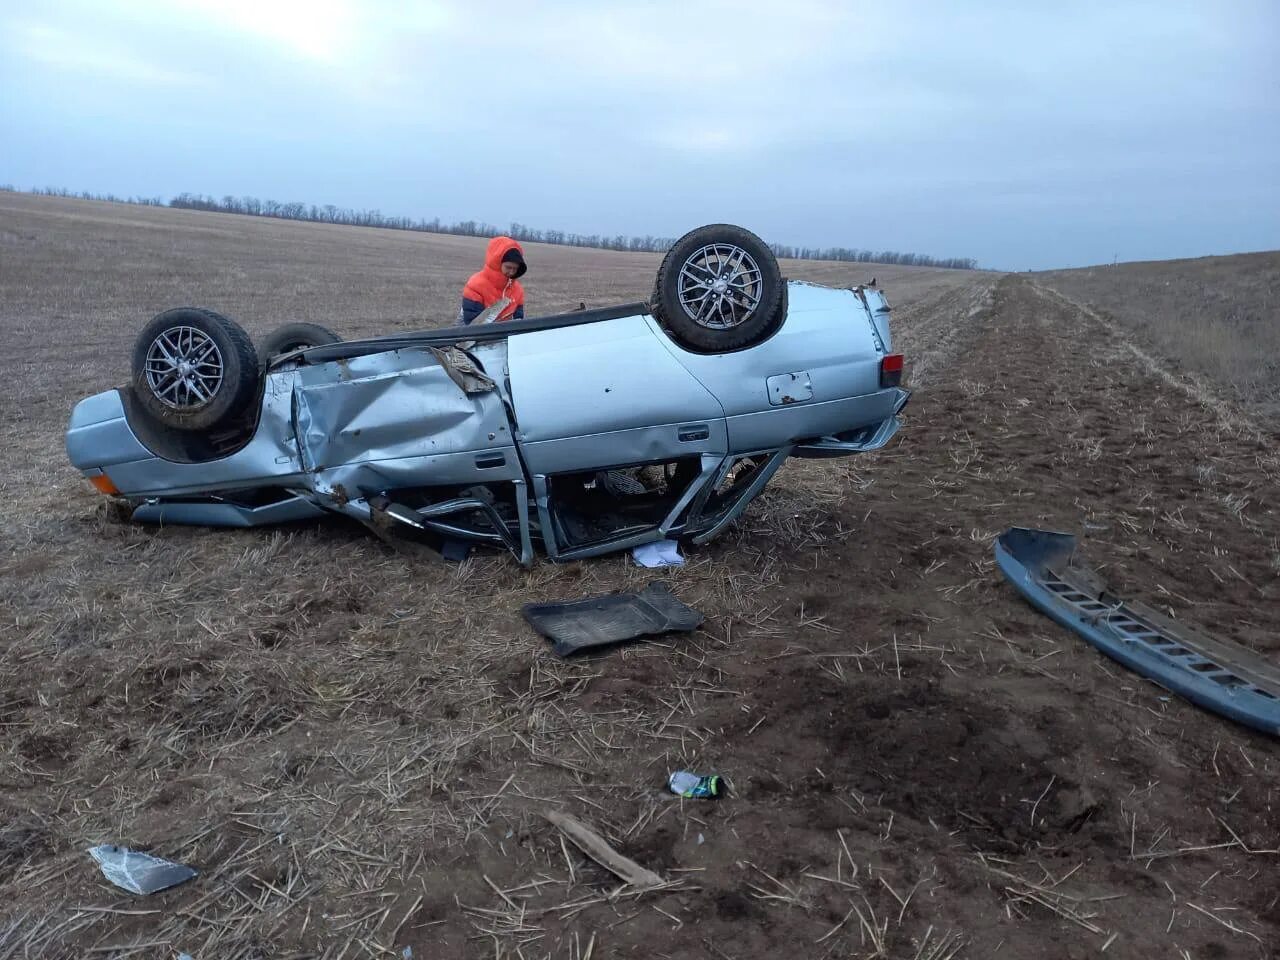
x=1196, y=387
x=930, y=331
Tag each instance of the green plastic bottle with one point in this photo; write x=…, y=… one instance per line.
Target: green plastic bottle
x=691, y=786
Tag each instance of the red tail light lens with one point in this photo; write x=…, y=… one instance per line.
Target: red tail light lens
x=891, y=370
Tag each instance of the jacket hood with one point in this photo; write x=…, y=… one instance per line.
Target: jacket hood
x=498, y=248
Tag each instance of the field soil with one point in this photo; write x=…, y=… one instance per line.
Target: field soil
x=1213, y=319
x=357, y=748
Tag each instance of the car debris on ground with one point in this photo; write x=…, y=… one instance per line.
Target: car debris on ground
x=1218, y=675
x=602, y=621
x=138, y=872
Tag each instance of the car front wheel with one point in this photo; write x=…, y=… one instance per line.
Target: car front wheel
x=194, y=369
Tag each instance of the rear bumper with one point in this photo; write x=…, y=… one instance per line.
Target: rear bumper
x=1224, y=677
x=861, y=440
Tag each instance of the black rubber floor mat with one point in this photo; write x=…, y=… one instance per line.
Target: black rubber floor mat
x=601, y=621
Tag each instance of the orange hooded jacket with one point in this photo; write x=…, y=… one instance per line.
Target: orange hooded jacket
x=488, y=286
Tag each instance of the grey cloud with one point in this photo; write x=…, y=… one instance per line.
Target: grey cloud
x=1020, y=136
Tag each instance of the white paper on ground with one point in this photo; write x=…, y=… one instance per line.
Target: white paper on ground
x=663, y=553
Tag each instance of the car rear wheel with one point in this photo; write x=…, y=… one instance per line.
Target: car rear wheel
x=194, y=369
x=719, y=289
x=294, y=336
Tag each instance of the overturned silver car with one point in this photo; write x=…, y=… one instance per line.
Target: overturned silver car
x=584, y=433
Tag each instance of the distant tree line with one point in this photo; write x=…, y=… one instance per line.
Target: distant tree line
x=328, y=213
x=86, y=195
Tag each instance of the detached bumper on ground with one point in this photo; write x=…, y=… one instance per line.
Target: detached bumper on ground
x=1219, y=676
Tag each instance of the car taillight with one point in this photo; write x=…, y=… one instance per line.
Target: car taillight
x=891, y=370
x=102, y=483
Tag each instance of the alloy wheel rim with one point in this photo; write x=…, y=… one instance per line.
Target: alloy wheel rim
x=720, y=286
x=184, y=368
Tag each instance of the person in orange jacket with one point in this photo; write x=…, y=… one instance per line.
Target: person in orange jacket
x=503, y=265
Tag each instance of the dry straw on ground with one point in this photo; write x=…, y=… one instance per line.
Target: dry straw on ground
x=358, y=749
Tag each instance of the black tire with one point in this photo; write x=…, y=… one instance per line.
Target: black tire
x=221, y=369
x=293, y=336
x=741, y=311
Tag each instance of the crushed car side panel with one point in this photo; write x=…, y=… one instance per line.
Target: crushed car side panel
x=400, y=419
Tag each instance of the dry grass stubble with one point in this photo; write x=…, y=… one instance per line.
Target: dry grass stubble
x=356, y=748
x=308, y=718
x=1213, y=317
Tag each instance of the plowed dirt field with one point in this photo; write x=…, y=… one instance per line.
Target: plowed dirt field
x=356, y=747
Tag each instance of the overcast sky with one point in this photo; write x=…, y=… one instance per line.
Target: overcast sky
x=1025, y=135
